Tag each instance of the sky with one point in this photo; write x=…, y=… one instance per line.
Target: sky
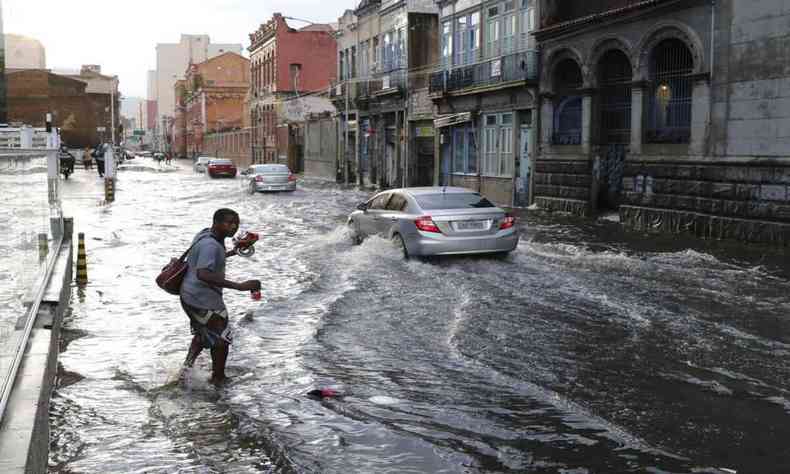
x=121, y=36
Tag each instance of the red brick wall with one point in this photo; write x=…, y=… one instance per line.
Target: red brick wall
x=316, y=51
x=151, y=108
x=32, y=94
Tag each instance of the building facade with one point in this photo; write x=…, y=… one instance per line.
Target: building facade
x=22, y=52
x=386, y=122
x=80, y=116
x=172, y=60
x=486, y=98
x=209, y=100
x=288, y=68
x=672, y=113
x=3, y=87
x=103, y=90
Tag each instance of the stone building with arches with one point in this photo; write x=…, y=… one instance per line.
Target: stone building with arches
x=676, y=114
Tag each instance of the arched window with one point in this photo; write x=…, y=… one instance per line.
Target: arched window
x=614, y=78
x=568, y=105
x=669, y=110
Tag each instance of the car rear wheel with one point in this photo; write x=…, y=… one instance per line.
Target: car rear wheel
x=400, y=244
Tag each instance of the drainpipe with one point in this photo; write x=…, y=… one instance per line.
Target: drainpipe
x=712, y=72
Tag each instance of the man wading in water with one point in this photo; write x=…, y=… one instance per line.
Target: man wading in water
x=201, y=292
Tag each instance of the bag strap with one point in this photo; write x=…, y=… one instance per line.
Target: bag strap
x=184, y=256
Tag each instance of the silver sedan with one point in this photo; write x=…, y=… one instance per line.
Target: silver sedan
x=269, y=177
x=436, y=221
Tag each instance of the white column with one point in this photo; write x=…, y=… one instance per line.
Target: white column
x=700, y=117
x=109, y=163
x=586, y=122
x=546, y=120
x=26, y=137
x=637, y=110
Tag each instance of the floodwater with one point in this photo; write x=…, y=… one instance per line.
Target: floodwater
x=24, y=214
x=588, y=350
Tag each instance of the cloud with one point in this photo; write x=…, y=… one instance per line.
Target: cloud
x=122, y=36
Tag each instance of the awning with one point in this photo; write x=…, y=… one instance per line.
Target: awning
x=452, y=119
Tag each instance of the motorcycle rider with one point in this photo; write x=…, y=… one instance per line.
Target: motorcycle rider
x=67, y=161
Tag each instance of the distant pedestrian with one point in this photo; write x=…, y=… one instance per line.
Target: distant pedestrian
x=201, y=292
x=98, y=153
x=87, y=159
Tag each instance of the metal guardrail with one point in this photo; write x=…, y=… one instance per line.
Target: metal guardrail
x=19, y=353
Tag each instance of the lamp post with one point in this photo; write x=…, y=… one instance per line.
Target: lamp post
x=113, y=91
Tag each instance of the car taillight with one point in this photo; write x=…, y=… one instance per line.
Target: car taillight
x=426, y=224
x=259, y=179
x=508, y=222
x=291, y=177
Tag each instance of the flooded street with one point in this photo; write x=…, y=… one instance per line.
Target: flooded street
x=588, y=350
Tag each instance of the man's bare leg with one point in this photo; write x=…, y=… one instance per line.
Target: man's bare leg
x=194, y=351
x=219, y=353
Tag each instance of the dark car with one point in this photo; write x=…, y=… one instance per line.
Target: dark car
x=221, y=167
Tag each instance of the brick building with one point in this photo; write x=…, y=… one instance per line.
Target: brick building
x=286, y=64
x=210, y=100
x=674, y=113
x=33, y=93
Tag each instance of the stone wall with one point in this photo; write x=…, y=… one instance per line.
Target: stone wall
x=320, y=152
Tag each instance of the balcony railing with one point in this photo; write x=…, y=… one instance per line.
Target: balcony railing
x=522, y=66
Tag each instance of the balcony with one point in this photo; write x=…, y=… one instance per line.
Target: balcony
x=521, y=66
x=388, y=82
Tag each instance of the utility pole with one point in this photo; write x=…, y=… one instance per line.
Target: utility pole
x=112, y=108
x=345, y=146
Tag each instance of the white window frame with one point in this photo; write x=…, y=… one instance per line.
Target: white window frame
x=447, y=43
x=498, y=145
x=527, y=23
x=466, y=131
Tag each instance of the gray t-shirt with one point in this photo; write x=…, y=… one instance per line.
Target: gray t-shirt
x=208, y=254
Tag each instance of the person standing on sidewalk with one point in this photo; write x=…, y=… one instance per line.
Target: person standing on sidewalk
x=98, y=153
x=87, y=159
x=201, y=293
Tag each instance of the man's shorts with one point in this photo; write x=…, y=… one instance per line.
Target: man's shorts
x=198, y=320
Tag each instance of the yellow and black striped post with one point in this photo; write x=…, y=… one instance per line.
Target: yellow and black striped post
x=82, y=261
x=43, y=247
x=109, y=189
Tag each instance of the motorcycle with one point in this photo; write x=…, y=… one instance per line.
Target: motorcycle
x=67, y=165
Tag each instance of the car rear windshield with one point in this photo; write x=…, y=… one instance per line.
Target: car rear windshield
x=221, y=162
x=272, y=169
x=430, y=202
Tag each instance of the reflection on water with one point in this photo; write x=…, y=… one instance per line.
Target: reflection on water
x=587, y=350
x=24, y=214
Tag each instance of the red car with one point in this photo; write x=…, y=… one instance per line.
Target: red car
x=220, y=167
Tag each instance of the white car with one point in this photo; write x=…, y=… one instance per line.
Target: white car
x=270, y=177
x=201, y=164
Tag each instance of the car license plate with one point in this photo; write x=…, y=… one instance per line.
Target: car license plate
x=470, y=225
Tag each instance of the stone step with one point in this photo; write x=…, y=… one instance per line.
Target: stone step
x=562, y=179
x=567, y=192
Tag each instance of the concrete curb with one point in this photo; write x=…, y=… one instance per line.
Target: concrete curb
x=24, y=432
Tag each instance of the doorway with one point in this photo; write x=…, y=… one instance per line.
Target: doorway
x=615, y=76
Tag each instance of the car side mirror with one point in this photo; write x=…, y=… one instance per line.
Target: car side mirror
x=363, y=206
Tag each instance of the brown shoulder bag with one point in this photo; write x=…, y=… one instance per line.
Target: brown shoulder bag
x=172, y=276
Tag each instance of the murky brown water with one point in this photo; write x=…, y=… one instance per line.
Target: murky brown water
x=588, y=350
